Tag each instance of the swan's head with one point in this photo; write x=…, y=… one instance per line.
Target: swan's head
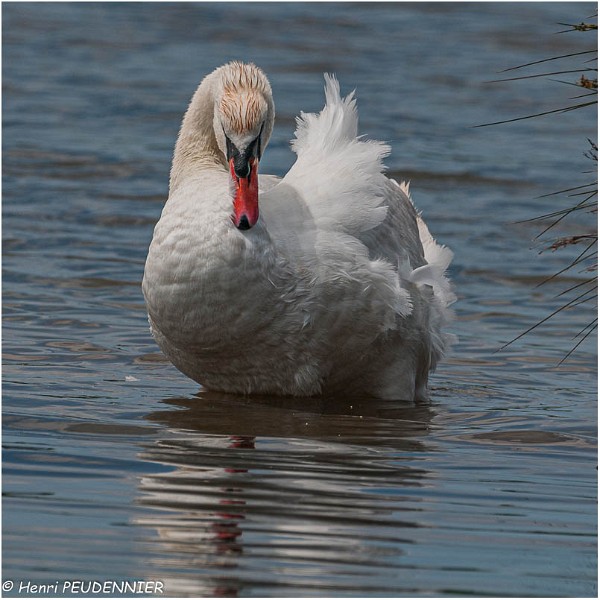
x=243, y=122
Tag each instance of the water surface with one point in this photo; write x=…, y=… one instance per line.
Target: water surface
x=117, y=467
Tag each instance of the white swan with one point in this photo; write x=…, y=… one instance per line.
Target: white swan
x=325, y=281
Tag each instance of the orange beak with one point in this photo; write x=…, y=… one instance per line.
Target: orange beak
x=245, y=203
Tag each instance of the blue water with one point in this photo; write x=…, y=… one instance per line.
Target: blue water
x=116, y=467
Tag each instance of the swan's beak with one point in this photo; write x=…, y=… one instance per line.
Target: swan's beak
x=243, y=167
x=245, y=203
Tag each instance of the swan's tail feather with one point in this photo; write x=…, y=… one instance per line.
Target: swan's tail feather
x=336, y=123
x=339, y=174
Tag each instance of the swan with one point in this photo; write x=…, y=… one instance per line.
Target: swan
x=325, y=281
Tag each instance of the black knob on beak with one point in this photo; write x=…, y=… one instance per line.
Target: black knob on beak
x=240, y=166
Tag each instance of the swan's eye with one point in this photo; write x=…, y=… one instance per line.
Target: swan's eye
x=253, y=148
x=232, y=151
x=258, y=142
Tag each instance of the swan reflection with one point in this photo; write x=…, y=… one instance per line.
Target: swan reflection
x=260, y=494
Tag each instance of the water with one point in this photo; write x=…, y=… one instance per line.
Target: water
x=116, y=467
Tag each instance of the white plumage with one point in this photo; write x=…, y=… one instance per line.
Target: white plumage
x=338, y=286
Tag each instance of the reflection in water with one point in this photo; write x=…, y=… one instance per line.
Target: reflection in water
x=324, y=490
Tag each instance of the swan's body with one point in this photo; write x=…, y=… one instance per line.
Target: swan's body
x=336, y=287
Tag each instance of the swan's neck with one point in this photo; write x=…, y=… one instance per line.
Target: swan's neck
x=196, y=149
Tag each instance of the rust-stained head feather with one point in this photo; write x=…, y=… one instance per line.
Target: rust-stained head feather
x=243, y=102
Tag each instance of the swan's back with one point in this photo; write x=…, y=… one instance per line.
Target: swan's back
x=341, y=177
